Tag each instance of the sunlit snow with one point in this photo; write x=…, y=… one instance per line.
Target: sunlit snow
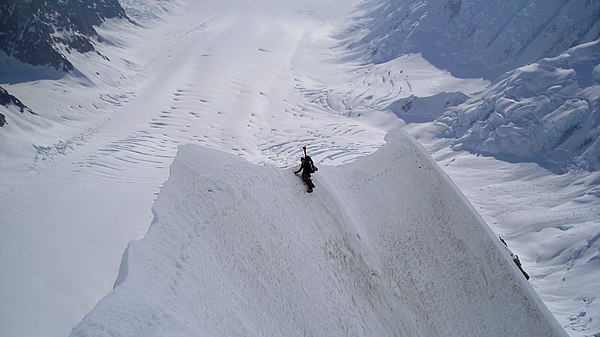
x=216, y=80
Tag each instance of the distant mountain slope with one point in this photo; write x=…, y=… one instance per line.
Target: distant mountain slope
x=476, y=38
x=385, y=246
x=547, y=112
x=42, y=32
x=11, y=102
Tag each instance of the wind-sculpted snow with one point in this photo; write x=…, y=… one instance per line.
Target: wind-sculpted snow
x=547, y=112
x=476, y=38
x=386, y=246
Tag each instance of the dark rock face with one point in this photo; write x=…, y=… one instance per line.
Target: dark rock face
x=38, y=32
x=8, y=101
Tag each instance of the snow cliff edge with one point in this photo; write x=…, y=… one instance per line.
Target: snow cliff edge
x=386, y=246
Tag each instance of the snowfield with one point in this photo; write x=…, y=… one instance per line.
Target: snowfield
x=385, y=246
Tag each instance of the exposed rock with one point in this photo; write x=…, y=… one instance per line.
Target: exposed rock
x=37, y=32
x=8, y=101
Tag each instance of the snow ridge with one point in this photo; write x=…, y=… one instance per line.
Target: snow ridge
x=385, y=246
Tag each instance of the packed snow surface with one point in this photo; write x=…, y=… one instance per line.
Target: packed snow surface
x=385, y=246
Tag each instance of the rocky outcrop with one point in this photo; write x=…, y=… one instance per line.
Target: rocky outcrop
x=9, y=101
x=40, y=32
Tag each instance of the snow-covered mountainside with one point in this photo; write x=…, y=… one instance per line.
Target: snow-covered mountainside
x=45, y=32
x=258, y=79
x=474, y=38
x=238, y=249
x=10, y=102
x=547, y=112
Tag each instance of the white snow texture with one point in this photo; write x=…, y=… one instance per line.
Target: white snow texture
x=386, y=245
x=239, y=249
x=476, y=38
x=547, y=112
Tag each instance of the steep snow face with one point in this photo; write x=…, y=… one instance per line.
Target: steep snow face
x=547, y=112
x=478, y=37
x=386, y=246
x=550, y=221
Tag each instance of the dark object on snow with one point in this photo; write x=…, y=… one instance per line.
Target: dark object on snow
x=515, y=259
x=9, y=100
x=307, y=167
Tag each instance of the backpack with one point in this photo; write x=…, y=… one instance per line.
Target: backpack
x=309, y=164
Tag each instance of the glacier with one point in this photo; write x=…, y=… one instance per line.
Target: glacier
x=260, y=79
x=547, y=112
x=476, y=38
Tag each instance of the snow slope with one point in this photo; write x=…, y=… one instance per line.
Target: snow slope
x=254, y=79
x=385, y=246
x=477, y=38
x=540, y=189
x=547, y=112
x=550, y=221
